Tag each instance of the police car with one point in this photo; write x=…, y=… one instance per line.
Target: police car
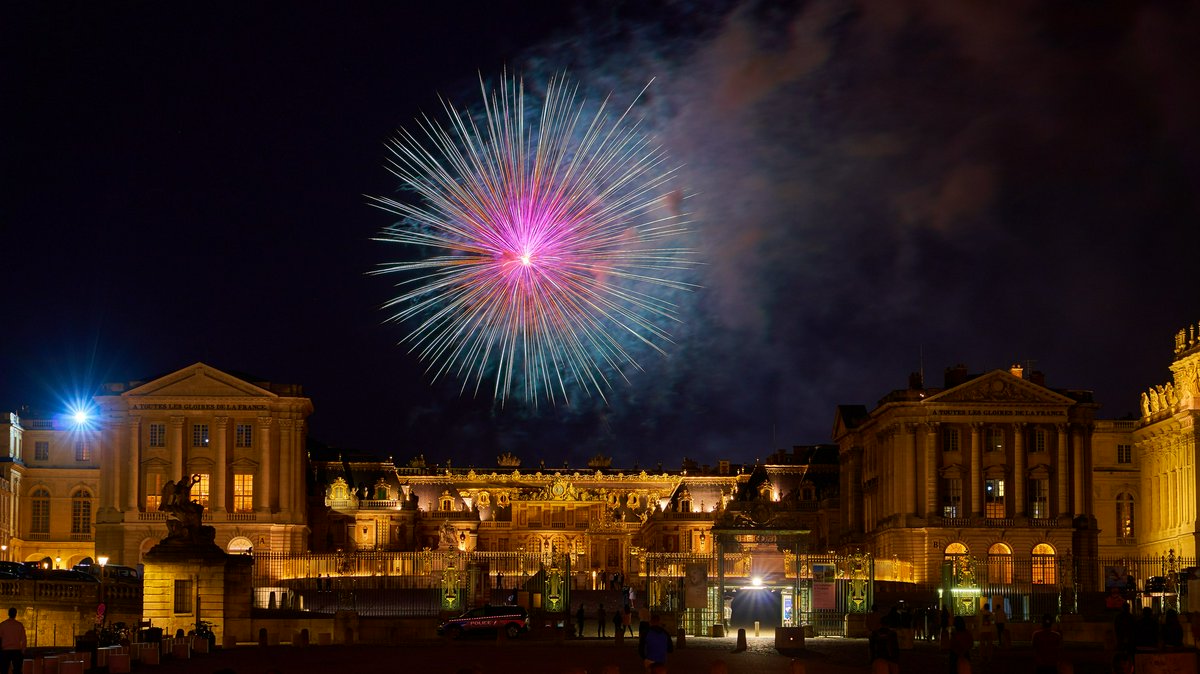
x=513, y=620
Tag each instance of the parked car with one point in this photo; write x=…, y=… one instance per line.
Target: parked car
x=70, y=575
x=10, y=570
x=112, y=573
x=514, y=620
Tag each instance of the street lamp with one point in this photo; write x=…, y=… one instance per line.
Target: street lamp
x=103, y=560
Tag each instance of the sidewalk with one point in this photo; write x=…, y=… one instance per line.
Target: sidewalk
x=826, y=655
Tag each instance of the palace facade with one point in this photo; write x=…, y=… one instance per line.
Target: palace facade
x=997, y=466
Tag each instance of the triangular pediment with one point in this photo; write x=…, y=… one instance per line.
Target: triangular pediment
x=848, y=418
x=198, y=381
x=1000, y=386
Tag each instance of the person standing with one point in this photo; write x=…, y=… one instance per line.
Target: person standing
x=985, y=632
x=1047, y=647
x=601, y=619
x=1000, y=620
x=12, y=644
x=627, y=620
x=884, y=647
x=961, y=643
x=654, y=644
x=579, y=620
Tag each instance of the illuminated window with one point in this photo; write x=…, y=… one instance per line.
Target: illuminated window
x=958, y=555
x=154, y=485
x=446, y=503
x=199, y=435
x=244, y=435
x=950, y=440
x=339, y=491
x=243, y=493
x=1000, y=564
x=993, y=498
x=951, y=497
x=83, y=450
x=1044, y=567
x=158, y=435
x=1037, y=440
x=81, y=512
x=39, y=508
x=1125, y=516
x=994, y=441
x=41, y=450
x=200, y=490
x=1039, y=498
x=1124, y=454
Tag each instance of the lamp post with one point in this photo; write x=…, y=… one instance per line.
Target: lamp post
x=103, y=560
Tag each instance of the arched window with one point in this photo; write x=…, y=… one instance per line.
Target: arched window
x=958, y=555
x=446, y=502
x=240, y=545
x=339, y=490
x=39, y=509
x=1045, y=568
x=1000, y=564
x=1125, y=529
x=81, y=512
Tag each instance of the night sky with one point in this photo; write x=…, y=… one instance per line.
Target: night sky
x=875, y=188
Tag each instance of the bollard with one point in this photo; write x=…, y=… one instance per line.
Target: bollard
x=718, y=667
x=680, y=638
x=797, y=667
x=757, y=628
x=741, y=640
x=262, y=636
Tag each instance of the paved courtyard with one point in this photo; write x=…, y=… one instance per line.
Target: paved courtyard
x=528, y=656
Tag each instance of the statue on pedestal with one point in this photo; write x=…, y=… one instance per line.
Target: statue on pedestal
x=184, y=516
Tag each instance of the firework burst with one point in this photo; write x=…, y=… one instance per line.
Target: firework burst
x=550, y=237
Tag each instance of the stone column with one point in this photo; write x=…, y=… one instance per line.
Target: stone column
x=285, y=465
x=299, y=456
x=134, y=464
x=931, y=474
x=854, y=509
x=1061, y=471
x=175, y=443
x=108, y=451
x=218, y=498
x=265, y=483
x=976, y=471
x=1077, y=468
x=1018, y=490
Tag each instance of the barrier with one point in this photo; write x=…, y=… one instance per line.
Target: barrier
x=119, y=663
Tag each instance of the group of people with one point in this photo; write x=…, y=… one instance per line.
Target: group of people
x=1146, y=633
x=622, y=620
x=654, y=642
x=956, y=637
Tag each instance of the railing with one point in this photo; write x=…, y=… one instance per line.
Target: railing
x=380, y=504
x=241, y=517
x=82, y=536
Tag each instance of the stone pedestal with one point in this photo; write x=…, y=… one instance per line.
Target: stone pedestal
x=211, y=585
x=856, y=626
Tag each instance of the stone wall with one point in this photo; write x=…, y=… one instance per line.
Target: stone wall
x=218, y=589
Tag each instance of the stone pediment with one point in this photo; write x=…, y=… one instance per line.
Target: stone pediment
x=999, y=386
x=198, y=381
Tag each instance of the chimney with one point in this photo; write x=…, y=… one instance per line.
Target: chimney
x=956, y=375
x=1017, y=371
